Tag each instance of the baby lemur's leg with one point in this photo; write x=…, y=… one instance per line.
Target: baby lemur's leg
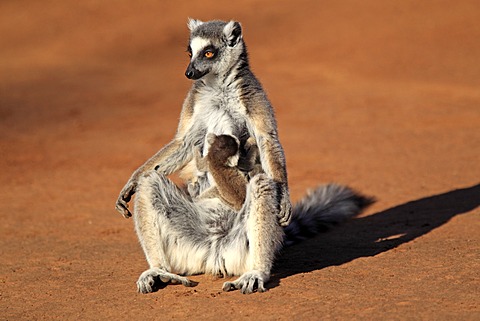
x=264, y=235
x=211, y=192
x=165, y=219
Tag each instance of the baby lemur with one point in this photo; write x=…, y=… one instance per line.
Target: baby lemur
x=221, y=161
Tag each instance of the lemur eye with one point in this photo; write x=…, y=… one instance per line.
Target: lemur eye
x=189, y=54
x=209, y=54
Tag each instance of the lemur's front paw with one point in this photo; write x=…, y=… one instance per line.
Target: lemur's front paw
x=122, y=208
x=123, y=199
x=285, y=213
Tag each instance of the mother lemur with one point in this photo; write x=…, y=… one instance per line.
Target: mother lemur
x=183, y=235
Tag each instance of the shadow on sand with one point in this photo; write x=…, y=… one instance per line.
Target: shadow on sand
x=374, y=234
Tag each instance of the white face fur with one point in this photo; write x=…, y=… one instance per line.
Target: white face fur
x=197, y=44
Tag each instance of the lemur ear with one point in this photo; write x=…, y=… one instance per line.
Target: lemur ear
x=236, y=141
x=211, y=138
x=233, y=33
x=193, y=23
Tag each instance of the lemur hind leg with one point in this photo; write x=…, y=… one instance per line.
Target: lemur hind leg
x=263, y=235
x=166, y=224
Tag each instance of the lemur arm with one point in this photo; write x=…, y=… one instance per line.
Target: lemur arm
x=262, y=125
x=167, y=160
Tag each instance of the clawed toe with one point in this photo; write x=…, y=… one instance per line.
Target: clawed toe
x=248, y=283
x=190, y=283
x=153, y=280
x=228, y=286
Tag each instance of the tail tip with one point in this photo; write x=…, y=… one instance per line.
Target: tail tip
x=355, y=201
x=363, y=201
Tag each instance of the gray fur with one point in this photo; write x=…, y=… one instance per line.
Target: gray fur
x=323, y=208
x=206, y=236
x=184, y=235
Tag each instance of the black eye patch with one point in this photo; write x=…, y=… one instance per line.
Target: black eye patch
x=208, y=51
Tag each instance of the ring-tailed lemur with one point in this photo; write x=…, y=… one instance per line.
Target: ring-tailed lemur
x=181, y=235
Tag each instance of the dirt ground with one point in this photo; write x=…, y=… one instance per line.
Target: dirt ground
x=383, y=96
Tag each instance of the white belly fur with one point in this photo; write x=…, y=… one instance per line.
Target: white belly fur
x=221, y=113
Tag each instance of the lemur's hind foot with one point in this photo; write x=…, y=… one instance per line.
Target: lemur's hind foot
x=154, y=279
x=249, y=282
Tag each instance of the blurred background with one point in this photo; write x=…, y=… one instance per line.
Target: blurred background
x=380, y=95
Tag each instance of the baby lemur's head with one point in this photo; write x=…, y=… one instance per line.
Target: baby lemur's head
x=223, y=149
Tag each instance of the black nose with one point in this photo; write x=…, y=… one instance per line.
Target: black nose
x=193, y=73
x=189, y=74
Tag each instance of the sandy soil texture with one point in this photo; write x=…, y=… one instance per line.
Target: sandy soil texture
x=383, y=96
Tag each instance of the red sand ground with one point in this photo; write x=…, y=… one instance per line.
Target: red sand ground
x=380, y=95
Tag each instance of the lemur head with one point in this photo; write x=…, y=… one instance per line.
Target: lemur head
x=223, y=149
x=214, y=47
